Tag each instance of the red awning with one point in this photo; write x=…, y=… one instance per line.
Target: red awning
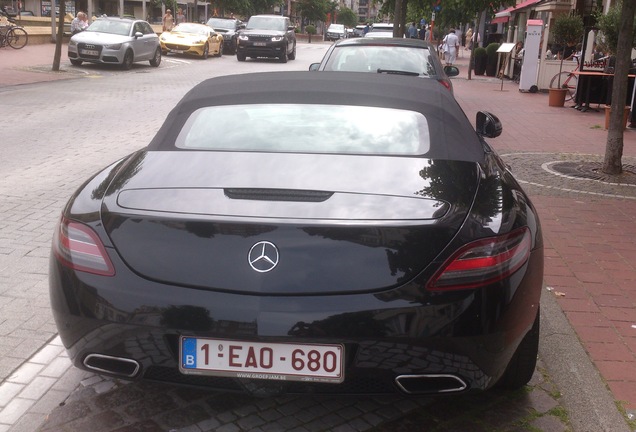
x=504, y=15
x=497, y=20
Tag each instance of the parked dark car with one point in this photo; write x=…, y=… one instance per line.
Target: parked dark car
x=305, y=232
x=228, y=28
x=267, y=36
x=394, y=56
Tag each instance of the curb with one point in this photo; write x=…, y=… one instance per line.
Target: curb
x=589, y=402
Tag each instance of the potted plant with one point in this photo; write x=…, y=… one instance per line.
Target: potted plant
x=310, y=30
x=566, y=30
x=491, y=60
x=481, y=59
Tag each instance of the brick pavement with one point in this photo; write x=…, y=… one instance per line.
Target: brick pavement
x=590, y=252
x=589, y=226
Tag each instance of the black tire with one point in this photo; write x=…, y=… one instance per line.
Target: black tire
x=156, y=59
x=220, y=54
x=240, y=57
x=76, y=62
x=129, y=59
x=233, y=46
x=292, y=56
x=283, y=57
x=17, y=37
x=524, y=361
x=206, y=52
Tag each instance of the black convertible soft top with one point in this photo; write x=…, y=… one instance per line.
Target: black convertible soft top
x=452, y=136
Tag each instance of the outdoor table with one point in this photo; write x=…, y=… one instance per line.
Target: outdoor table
x=594, y=87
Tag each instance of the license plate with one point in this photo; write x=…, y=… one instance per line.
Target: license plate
x=177, y=51
x=89, y=52
x=259, y=44
x=255, y=360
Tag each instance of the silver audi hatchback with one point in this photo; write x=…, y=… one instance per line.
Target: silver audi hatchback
x=120, y=41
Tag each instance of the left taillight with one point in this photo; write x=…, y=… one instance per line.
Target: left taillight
x=77, y=246
x=483, y=262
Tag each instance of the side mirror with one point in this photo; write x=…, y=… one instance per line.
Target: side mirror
x=451, y=71
x=488, y=125
x=138, y=35
x=314, y=66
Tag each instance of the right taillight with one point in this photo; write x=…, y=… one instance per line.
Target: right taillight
x=77, y=246
x=483, y=262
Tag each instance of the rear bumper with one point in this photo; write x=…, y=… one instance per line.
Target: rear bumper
x=468, y=336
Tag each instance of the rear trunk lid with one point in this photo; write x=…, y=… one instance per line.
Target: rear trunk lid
x=292, y=224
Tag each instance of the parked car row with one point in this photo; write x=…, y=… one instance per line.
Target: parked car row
x=124, y=41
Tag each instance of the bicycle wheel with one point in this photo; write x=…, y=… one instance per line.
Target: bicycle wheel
x=571, y=84
x=568, y=81
x=17, y=37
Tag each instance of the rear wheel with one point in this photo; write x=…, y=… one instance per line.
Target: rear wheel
x=76, y=62
x=240, y=57
x=523, y=362
x=156, y=59
x=128, y=60
x=220, y=54
x=17, y=38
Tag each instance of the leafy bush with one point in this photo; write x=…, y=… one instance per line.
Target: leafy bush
x=310, y=29
x=492, y=56
x=481, y=58
x=609, y=25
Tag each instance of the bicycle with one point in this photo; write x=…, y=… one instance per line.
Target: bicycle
x=13, y=35
x=568, y=81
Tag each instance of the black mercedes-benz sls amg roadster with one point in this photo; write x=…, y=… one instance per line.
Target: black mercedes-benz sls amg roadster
x=296, y=232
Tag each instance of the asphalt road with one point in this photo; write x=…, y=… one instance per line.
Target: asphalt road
x=55, y=135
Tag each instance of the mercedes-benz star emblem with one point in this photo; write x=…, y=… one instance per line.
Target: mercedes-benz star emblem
x=263, y=256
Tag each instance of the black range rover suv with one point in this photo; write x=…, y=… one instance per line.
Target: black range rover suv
x=267, y=36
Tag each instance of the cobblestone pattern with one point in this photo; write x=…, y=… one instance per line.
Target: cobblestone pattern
x=538, y=177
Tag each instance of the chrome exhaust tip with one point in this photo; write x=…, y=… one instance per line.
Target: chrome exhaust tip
x=430, y=384
x=112, y=365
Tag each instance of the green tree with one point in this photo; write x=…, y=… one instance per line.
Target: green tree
x=314, y=10
x=566, y=30
x=347, y=17
x=609, y=25
x=612, y=163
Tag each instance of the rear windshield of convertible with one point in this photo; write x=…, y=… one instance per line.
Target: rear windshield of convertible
x=306, y=129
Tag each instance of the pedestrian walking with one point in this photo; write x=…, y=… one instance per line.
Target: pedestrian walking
x=422, y=34
x=450, y=45
x=168, y=21
x=180, y=18
x=469, y=38
x=413, y=31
